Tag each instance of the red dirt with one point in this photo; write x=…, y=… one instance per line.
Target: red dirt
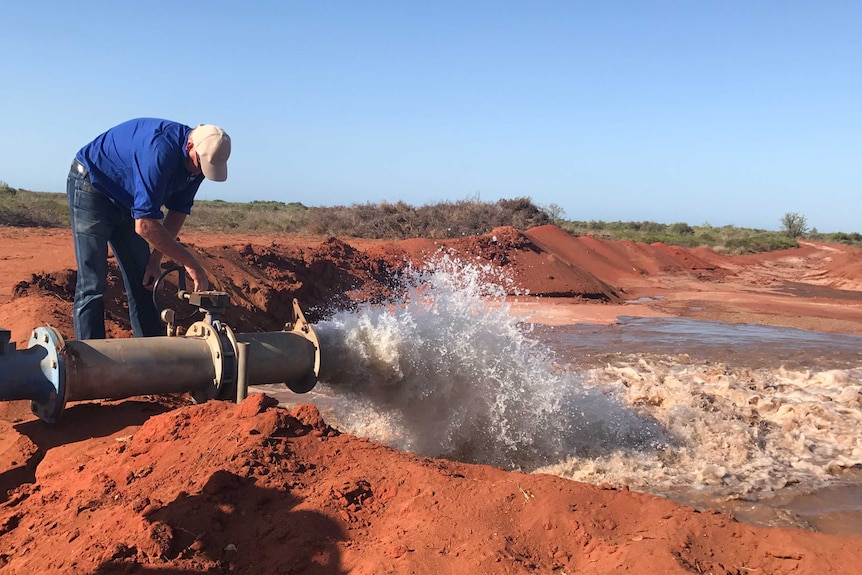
x=157, y=485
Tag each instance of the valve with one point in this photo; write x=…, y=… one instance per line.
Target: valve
x=209, y=361
x=211, y=303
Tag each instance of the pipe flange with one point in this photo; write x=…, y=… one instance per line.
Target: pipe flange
x=49, y=407
x=230, y=370
x=211, y=335
x=300, y=326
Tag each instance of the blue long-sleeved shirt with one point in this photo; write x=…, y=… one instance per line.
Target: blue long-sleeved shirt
x=140, y=165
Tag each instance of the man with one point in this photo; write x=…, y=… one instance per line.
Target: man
x=116, y=189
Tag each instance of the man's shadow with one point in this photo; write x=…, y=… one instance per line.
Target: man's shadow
x=234, y=525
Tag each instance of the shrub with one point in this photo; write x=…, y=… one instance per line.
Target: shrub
x=681, y=229
x=793, y=224
x=399, y=220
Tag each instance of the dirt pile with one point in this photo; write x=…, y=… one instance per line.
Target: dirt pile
x=262, y=279
x=221, y=488
x=157, y=485
x=263, y=275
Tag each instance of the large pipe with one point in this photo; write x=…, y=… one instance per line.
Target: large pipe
x=272, y=357
x=115, y=368
x=204, y=362
x=35, y=373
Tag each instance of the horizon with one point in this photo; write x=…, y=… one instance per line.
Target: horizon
x=726, y=114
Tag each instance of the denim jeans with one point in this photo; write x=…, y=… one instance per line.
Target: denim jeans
x=97, y=223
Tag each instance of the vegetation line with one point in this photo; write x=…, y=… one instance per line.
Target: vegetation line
x=26, y=208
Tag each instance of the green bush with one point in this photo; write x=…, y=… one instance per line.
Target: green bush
x=794, y=224
x=761, y=242
x=23, y=208
x=681, y=229
x=400, y=220
x=7, y=189
x=728, y=239
x=852, y=239
x=437, y=221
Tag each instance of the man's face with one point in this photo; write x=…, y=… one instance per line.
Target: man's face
x=193, y=163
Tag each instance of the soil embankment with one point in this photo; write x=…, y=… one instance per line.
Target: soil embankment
x=157, y=485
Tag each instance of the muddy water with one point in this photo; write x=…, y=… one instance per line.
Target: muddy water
x=776, y=413
x=744, y=345
x=763, y=422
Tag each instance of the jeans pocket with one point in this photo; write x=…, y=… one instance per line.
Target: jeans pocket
x=92, y=213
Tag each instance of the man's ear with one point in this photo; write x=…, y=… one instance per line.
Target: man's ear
x=189, y=145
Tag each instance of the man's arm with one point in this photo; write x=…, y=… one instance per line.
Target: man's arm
x=173, y=223
x=162, y=239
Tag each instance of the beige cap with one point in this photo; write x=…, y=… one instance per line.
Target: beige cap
x=213, y=147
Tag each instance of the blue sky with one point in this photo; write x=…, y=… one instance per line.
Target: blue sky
x=726, y=112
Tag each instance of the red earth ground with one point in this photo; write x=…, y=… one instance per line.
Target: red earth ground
x=159, y=485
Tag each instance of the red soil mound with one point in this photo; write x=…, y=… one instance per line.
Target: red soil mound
x=156, y=485
x=263, y=275
x=220, y=488
x=621, y=263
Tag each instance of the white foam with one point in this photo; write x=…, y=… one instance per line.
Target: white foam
x=448, y=371
x=735, y=431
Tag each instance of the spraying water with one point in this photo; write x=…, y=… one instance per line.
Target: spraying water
x=448, y=371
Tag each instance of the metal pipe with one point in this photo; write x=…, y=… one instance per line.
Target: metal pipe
x=36, y=373
x=116, y=368
x=6, y=345
x=22, y=375
x=209, y=362
x=280, y=357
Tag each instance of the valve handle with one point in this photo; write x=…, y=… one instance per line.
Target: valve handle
x=182, y=294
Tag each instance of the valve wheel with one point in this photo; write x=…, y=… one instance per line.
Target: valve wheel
x=181, y=288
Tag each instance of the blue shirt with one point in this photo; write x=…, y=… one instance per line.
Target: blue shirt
x=140, y=165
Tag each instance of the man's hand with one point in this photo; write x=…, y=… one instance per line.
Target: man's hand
x=198, y=277
x=163, y=242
